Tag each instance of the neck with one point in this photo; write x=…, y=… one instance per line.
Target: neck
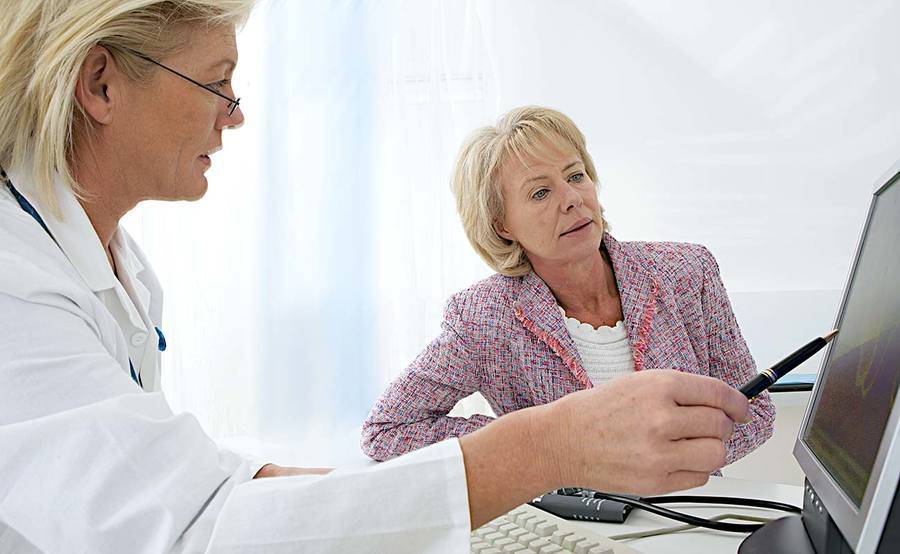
x=587, y=286
x=104, y=200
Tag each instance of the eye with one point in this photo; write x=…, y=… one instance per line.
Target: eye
x=219, y=85
x=540, y=194
x=577, y=177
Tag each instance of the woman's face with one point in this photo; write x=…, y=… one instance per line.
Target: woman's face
x=170, y=127
x=551, y=207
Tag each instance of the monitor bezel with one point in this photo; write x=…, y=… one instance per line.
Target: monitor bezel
x=860, y=526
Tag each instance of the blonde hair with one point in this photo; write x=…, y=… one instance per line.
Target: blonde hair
x=43, y=44
x=528, y=131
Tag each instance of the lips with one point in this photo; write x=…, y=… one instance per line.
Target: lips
x=579, y=225
x=206, y=157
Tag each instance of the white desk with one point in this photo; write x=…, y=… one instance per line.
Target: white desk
x=702, y=540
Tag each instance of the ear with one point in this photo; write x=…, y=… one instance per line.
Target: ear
x=502, y=231
x=95, y=84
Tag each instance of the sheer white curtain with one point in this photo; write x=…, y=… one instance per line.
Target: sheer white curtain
x=319, y=262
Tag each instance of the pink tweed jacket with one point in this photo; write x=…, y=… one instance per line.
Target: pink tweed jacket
x=505, y=337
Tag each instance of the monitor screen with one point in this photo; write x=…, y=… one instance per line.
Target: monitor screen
x=860, y=374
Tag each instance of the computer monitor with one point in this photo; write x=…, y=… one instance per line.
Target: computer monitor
x=849, y=442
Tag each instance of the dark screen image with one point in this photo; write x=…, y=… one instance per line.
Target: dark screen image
x=860, y=376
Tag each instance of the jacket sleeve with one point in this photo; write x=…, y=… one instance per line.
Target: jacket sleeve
x=412, y=412
x=730, y=360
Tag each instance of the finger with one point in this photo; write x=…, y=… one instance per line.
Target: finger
x=700, y=390
x=703, y=455
x=680, y=480
x=689, y=422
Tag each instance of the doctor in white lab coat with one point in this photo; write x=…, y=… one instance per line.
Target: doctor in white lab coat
x=105, y=104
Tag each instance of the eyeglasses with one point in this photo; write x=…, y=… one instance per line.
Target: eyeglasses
x=233, y=103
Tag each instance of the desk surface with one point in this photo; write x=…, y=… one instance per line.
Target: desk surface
x=702, y=540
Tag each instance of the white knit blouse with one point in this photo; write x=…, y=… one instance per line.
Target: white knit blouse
x=605, y=351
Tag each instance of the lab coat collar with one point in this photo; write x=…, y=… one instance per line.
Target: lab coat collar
x=72, y=231
x=129, y=266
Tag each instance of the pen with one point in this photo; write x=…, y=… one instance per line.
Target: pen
x=767, y=377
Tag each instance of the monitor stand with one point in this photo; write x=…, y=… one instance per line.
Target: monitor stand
x=784, y=535
x=813, y=532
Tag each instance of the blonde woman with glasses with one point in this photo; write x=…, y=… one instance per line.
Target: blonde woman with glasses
x=104, y=104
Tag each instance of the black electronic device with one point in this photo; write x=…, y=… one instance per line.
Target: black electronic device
x=849, y=443
x=582, y=508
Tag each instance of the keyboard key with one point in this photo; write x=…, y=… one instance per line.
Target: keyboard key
x=545, y=528
x=558, y=536
x=523, y=520
x=514, y=547
x=518, y=533
x=507, y=527
x=572, y=540
x=601, y=550
x=487, y=528
x=539, y=543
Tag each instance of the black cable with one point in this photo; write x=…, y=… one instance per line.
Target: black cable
x=727, y=500
x=649, y=504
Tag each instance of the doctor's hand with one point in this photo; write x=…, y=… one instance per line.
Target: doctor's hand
x=650, y=432
x=272, y=470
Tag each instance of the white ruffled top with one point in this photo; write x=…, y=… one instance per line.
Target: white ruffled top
x=605, y=351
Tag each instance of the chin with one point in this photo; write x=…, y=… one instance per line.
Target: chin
x=194, y=192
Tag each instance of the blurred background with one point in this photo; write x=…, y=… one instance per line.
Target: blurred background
x=318, y=264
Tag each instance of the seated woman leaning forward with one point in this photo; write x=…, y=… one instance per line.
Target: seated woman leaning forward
x=569, y=308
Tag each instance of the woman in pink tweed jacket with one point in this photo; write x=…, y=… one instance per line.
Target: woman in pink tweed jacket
x=506, y=336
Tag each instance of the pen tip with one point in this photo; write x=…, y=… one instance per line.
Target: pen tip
x=830, y=335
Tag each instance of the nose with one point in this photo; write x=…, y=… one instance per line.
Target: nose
x=233, y=121
x=572, y=198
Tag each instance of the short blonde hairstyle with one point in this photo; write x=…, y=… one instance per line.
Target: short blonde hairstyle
x=523, y=132
x=43, y=44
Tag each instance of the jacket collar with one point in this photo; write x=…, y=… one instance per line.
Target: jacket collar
x=637, y=293
x=537, y=309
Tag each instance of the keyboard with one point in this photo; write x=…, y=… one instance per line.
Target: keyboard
x=530, y=530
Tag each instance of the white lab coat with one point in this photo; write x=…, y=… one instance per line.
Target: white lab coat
x=92, y=462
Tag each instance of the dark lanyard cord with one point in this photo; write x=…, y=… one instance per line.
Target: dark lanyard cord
x=29, y=209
